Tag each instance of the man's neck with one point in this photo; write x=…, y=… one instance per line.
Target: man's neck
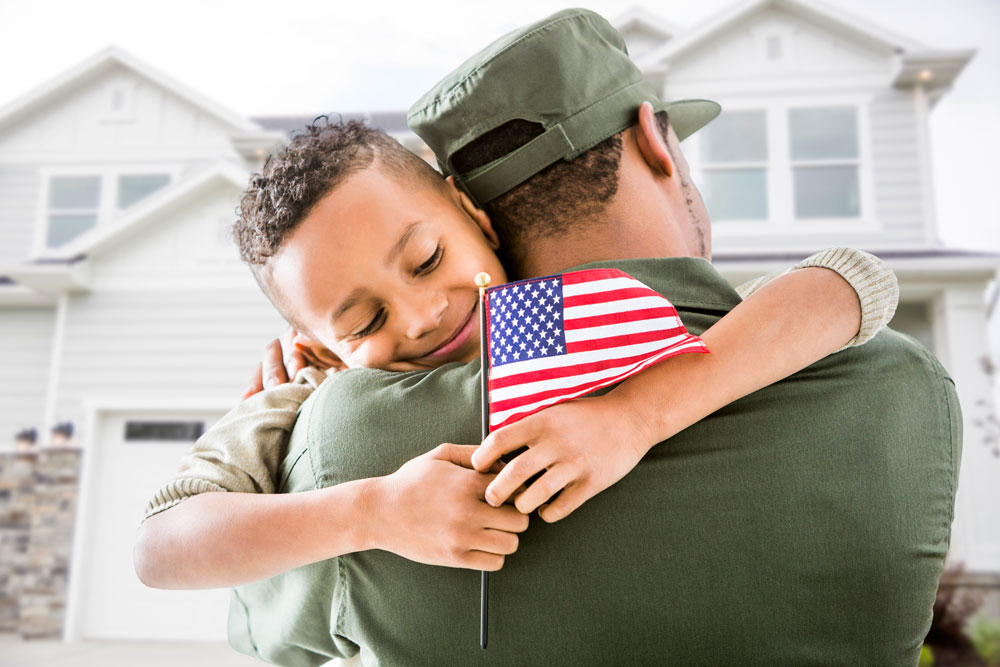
x=616, y=239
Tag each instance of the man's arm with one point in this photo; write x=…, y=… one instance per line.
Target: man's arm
x=586, y=445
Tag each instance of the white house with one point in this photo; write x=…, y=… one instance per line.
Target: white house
x=124, y=308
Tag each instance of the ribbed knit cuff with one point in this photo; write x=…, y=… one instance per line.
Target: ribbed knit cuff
x=177, y=490
x=871, y=278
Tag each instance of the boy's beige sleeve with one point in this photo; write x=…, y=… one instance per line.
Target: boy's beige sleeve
x=243, y=450
x=870, y=277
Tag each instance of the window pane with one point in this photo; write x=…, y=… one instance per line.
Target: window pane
x=166, y=430
x=133, y=187
x=827, y=192
x=65, y=228
x=735, y=136
x=736, y=194
x=74, y=191
x=829, y=133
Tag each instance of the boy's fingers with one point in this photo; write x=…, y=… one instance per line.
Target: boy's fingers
x=256, y=382
x=506, y=518
x=480, y=560
x=543, y=488
x=508, y=439
x=274, y=365
x=497, y=542
x=516, y=473
x=571, y=498
x=460, y=455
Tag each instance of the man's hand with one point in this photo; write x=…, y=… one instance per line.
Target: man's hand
x=285, y=356
x=584, y=446
x=432, y=511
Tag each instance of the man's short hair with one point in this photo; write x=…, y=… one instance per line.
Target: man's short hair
x=563, y=197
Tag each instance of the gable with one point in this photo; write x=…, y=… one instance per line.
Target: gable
x=114, y=113
x=641, y=40
x=773, y=43
x=187, y=245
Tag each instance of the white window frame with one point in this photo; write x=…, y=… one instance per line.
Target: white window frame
x=107, y=209
x=781, y=194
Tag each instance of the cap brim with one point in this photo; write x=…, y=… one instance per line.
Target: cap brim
x=689, y=116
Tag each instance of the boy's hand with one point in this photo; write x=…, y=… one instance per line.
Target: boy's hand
x=584, y=445
x=432, y=510
x=285, y=356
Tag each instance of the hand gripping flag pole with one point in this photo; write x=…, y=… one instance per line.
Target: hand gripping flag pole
x=483, y=281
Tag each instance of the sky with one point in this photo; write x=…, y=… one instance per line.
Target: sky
x=305, y=57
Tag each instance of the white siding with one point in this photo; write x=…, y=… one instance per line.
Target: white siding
x=896, y=169
x=179, y=346
x=19, y=192
x=25, y=352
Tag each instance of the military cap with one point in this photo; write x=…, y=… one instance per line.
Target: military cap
x=569, y=72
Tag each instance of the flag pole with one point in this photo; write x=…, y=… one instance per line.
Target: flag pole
x=482, y=282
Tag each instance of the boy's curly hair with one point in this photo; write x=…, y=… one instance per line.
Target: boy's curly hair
x=317, y=159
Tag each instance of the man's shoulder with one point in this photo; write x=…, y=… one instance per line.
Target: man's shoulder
x=893, y=351
x=359, y=389
x=366, y=423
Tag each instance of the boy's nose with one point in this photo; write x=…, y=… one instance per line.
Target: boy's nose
x=426, y=316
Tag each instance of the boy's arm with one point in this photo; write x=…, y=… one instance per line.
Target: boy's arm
x=241, y=453
x=588, y=444
x=431, y=510
x=220, y=523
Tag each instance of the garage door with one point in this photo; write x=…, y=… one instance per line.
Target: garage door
x=133, y=454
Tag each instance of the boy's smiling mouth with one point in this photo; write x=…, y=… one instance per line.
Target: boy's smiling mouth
x=457, y=339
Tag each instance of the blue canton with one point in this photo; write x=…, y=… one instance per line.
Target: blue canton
x=526, y=321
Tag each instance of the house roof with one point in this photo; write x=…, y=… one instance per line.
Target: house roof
x=392, y=122
x=642, y=19
x=810, y=9
x=174, y=195
x=104, y=61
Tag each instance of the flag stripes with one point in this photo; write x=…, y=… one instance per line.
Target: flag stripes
x=556, y=338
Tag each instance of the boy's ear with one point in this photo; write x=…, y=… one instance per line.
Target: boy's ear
x=652, y=144
x=477, y=214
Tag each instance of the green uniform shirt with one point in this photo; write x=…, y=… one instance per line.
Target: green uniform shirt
x=804, y=524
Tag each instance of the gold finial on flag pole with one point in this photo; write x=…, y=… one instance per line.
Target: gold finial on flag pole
x=482, y=282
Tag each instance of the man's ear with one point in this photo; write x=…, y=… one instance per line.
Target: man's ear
x=652, y=144
x=477, y=214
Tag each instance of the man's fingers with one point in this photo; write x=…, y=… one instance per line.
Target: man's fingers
x=543, y=488
x=508, y=439
x=516, y=473
x=274, y=365
x=571, y=498
x=256, y=382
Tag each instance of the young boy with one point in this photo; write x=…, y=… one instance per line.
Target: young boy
x=365, y=249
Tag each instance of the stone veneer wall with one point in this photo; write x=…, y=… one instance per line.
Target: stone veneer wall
x=38, y=494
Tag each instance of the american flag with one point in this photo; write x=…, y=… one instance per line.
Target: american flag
x=555, y=338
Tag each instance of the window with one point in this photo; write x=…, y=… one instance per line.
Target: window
x=789, y=165
x=164, y=430
x=734, y=156
x=76, y=203
x=134, y=187
x=73, y=207
x=823, y=145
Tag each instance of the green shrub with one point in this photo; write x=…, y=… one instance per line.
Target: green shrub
x=986, y=638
